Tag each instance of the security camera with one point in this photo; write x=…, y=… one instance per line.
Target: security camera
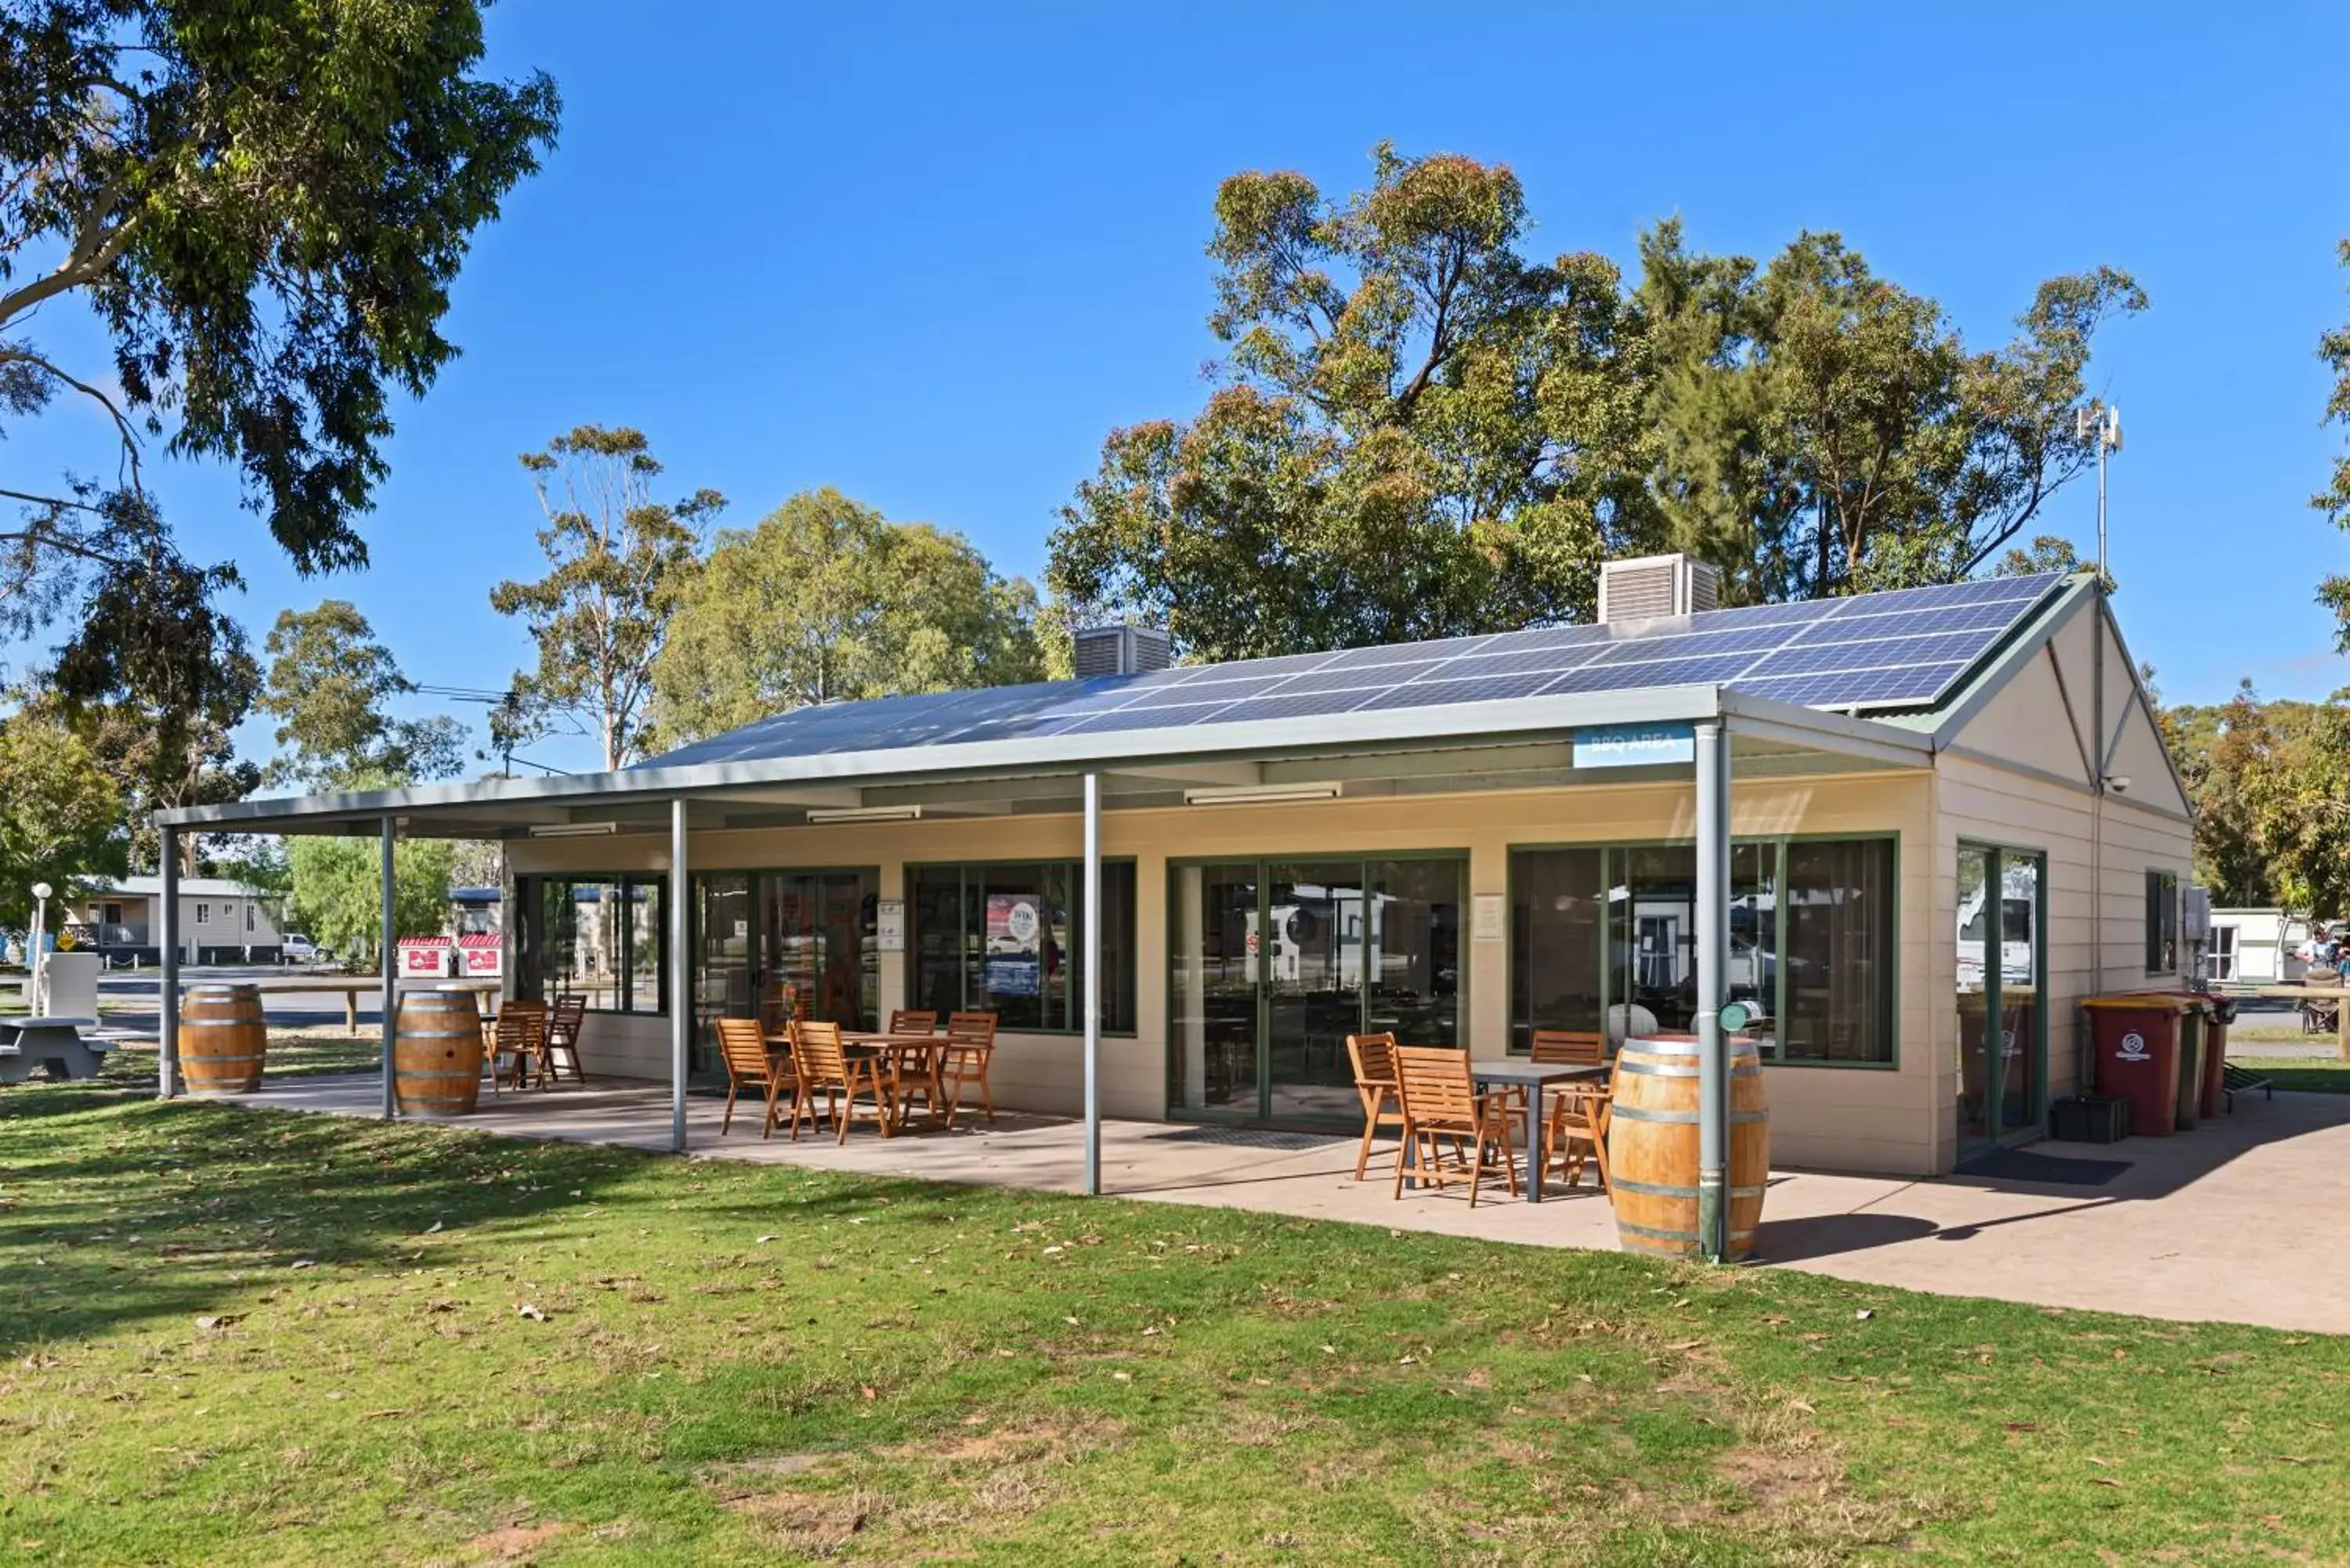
x=2119, y=784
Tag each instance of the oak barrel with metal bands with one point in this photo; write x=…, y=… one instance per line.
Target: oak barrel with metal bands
x=224, y=1037
x=436, y=1054
x=1652, y=1146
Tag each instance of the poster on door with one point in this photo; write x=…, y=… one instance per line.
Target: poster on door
x=1015, y=945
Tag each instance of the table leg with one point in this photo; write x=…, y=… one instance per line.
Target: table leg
x=1534, y=1143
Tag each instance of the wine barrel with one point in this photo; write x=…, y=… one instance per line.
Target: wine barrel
x=1652, y=1146
x=223, y=1038
x=436, y=1054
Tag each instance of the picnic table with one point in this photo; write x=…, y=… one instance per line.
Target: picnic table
x=53, y=1043
x=353, y=987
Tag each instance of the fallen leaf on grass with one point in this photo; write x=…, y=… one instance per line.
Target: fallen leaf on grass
x=303, y=1263
x=2022, y=1427
x=211, y=1324
x=530, y=1311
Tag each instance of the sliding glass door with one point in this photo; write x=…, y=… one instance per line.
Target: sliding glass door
x=2003, y=1023
x=774, y=944
x=1275, y=962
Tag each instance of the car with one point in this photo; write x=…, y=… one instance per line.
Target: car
x=295, y=948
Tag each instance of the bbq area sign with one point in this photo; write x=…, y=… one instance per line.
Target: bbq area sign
x=1634, y=745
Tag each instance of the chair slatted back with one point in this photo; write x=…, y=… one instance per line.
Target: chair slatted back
x=1570, y=1047
x=522, y=1027
x=913, y=1021
x=817, y=1052
x=570, y=1012
x=1373, y=1056
x=743, y=1048
x=1434, y=1084
x=972, y=1028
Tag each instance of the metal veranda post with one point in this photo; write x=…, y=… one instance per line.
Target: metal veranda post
x=1713, y=966
x=167, y=937
x=387, y=943
x=680, y=976
x=1090, y=905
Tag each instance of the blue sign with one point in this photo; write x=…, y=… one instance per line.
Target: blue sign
x=1634, y=745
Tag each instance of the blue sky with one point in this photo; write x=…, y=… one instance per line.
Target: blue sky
x=932, y=255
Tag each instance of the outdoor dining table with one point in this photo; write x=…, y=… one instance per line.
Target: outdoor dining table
x=1533, y=1078
x=867, y=1041
x=931, y=1048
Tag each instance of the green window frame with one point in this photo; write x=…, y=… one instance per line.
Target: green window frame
x=949, y=964
x=2162, y=921
x=1760, y=866
x=628, y=971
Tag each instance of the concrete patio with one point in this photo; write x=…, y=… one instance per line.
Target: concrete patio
x=2231, y=1221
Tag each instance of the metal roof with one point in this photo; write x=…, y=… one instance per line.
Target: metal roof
x=855, y=754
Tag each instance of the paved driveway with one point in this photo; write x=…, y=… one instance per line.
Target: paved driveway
x=2239, y=1219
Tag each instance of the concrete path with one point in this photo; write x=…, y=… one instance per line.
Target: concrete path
x=2234, y=1220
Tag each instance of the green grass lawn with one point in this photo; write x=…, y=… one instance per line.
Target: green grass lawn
x=237, y=1336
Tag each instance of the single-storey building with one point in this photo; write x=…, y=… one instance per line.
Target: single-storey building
x=1900, y=825
x=220, y=921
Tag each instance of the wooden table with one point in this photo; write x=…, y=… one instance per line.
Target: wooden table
x=932, y=1048
x=873, y=1043
x=1516, y=1072
x=354, y=987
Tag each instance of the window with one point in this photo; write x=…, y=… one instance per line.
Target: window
x=1003, y=938
x=1604, y=937
x=2223, y=952
x=2161, y=922
x=203, y=914
x=1838, y=955
x=248, y=917
x=604, y=938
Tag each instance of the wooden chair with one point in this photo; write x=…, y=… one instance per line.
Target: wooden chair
x=743, y=1046
x=1570, y=1047
x=929, y=1082
x=1441, y=1105
x=522, y=1038
x=1373, y=1056
x=825, y=1067
x=971, y=1046
x=1577, y=1130
x=564, y=1023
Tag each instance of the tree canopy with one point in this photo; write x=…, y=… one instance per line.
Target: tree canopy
x=2334, y=501
x=60, y=815
x=618, y=559
x=264, y=207
x=329, y=679
x=338, y=890
x=2271, y=783
x=825, y=599
x=1423, y=431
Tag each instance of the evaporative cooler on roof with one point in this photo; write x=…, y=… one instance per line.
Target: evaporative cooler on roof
x=1120, y=650
x=1649, y=587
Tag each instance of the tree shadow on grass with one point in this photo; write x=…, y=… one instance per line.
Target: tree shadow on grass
x=117, y=1209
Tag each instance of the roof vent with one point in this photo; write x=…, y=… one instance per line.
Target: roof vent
x=1649, y=587
x=1121, y=649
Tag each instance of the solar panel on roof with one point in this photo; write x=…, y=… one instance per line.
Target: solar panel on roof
x=1892, y=649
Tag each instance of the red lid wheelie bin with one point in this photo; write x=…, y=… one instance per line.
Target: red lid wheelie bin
x=2137, y=1039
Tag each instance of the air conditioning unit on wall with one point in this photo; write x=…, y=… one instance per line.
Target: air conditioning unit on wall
x=1647, y=587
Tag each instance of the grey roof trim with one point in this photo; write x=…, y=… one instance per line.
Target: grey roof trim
x=2003, y=666
x=1408, y=728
